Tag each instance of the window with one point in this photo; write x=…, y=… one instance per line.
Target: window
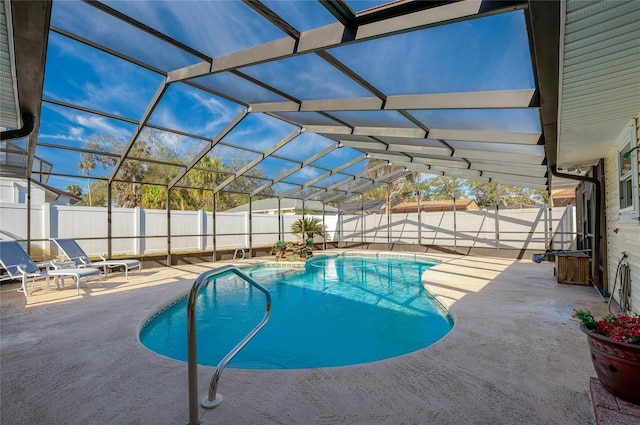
x=628, y=174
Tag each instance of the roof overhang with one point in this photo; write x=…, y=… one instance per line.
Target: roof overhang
x=599, y=85
x=26, y=28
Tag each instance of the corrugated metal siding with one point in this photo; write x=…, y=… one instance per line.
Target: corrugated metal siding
x=627, y=237
x=9, y=110
x=600, y=82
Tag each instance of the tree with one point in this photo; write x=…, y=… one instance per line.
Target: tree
x=395, y=187
x=311, y=226
x=131, y=170
x=193, y=191
x=445, y=187
x=491, y=194
x=74, y=189
x=411, y=188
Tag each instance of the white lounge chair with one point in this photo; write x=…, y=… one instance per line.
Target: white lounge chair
x=73, y=252
x=19, y=265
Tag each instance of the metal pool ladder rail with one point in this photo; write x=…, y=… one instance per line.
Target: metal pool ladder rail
x=213, y=399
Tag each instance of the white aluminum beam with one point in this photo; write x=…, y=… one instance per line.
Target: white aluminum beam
x=441, y=162
x=275, y=107
x=226, y=130
x=497, y=99
x=256, y=161
x=297, y=167
x=328, y=129
x=373, y=144
x=457, y=171
x=151, y=106
x=424, y=150
x=335, y=198
x=519, y=183
x=357, y=176
x=417, y=133
x=511, y=137
x=467, y=100
x=329, y=36
x=325, y=175
x=539, y=171
x=347, y=104
x=382, y=179
x=419, y=19
x=516, y=179
x=515, y=158
x=390, y=157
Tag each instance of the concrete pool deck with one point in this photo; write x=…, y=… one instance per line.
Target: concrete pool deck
x=514, y=356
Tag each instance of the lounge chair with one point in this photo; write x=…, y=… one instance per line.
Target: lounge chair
x=73, y=252
x=19, y=264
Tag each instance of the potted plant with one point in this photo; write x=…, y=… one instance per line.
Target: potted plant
x=614, y=343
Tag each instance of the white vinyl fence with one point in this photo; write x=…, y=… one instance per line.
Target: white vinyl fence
x=527, y=228
x=137, y=231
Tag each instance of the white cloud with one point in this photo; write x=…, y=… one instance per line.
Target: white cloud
x=308, y=172
x=101, y=125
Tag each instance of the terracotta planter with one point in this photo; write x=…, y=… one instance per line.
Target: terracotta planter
x=617, y=365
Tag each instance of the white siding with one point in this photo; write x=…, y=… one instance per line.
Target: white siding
x=621, y=236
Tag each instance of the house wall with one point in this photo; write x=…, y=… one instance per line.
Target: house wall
x=621, y=236
x=15, y=191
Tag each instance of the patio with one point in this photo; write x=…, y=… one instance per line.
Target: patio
x=513, y=356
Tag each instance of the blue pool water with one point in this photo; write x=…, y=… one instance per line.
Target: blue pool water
x=338, y=311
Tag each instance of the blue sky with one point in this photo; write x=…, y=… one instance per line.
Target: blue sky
x=483, y=54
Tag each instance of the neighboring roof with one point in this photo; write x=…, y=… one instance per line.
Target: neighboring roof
x=563, y=193
x=57, y=192
x=370, y=207
x=442, y=205
x=563, y=197
x=288, y=204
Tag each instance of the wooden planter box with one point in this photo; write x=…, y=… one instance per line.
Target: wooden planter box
x=573, y=268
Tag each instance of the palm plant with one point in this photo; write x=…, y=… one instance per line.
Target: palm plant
x=309, y=226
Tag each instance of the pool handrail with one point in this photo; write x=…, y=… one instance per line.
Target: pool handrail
x=212, y=399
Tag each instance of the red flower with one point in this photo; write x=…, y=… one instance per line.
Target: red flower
x=619, y=328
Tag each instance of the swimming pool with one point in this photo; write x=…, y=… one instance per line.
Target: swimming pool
x=336, y=311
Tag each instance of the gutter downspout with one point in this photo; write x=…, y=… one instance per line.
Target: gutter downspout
x=28, y=122
x=595, y=267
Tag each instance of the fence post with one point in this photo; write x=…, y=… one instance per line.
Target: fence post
x=419, y=222
x=455, y=228
x=46, y=227
x=109, y=222
x=572, y=226
x=247, y=226
x=338, y=227
x=280, y=223
x=202, y=230
x=213, y=219
x=168, y=227
x=137, y=230
x=497, y=230
x=551, y=235
x=362, y=220
x=546, y=227
x=324, y=231
x=28, y=217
